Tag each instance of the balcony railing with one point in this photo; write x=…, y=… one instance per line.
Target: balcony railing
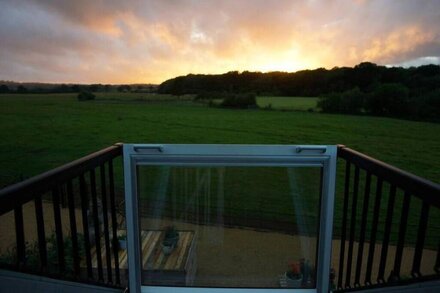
x=66, y=254
x=387, y=223
x=375, y=219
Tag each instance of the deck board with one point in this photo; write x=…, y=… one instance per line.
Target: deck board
x=153, y=257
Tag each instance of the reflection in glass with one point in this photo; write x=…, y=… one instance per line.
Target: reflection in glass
x=229, y=226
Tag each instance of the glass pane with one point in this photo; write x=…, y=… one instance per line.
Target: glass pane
x=229, y=226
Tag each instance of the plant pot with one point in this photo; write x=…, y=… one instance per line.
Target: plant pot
x=167, y=249
x=122, y=244
x=171, y=241
x=293, y=282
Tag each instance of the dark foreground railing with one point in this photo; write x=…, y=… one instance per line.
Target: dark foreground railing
x=387, y=223
x=81, y=208
x=390, y=220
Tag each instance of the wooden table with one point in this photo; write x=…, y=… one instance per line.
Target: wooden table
x=176, y=269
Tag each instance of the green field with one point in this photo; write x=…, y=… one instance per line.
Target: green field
x=288, y=103
x=140, y=97
x=40, y=132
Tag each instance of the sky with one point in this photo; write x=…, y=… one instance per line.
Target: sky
x=106, y=41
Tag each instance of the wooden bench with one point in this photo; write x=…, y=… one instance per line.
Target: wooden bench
x=176, y=269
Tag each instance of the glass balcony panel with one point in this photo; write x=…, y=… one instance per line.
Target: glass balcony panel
x=252, y=227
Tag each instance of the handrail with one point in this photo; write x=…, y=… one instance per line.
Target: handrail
x=355, y=194
x=363, y=204
x=424, y=189
x=22, y=192
x=83, y=184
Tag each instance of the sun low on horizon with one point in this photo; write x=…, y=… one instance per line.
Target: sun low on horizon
x=151, y=41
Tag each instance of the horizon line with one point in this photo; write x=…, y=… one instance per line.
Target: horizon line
x=239, y=71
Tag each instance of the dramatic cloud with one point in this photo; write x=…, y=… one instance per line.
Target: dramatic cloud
x=150, y=41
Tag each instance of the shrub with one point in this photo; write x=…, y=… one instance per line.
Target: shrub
x=432, y=107
x=329, y=103
x=4, y=89
x=21, y=89
x=268, y=107
x=426, y=106
x=32, y=261
x=349, y=102
x=390, y=99
x=85, y=96
x=210, y=96
x=352, y=101
x=239, y=101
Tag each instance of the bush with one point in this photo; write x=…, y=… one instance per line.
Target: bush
x=32, y=262
x=85, y=96
x=426, y=106
x=329, y=103
x=268, y=107
x=390, y=99
x=348, y=102
x=239, y=101
x=210, y=96
x=432, y=106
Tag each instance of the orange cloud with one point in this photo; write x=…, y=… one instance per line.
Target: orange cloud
x=398, y=42
x=150, y=41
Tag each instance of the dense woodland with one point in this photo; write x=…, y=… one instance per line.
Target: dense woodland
x=412, y=93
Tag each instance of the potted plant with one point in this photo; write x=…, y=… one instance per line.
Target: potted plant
x=294, y=276
x=308, y=272
x=122, y=241
x=170, y=240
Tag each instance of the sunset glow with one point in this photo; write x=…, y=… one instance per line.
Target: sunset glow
x=151, y=41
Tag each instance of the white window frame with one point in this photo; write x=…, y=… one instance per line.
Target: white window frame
x=229, y=155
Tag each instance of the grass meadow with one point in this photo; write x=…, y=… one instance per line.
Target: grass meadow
x=40, y=132
x=288, y=103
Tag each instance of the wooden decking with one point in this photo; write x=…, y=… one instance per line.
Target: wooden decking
x=180, y=265
x=153, y=257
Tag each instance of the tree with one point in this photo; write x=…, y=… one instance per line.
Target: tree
x=239, y=101
x=348, y=102
x=95, y=87
x=389, y=99
x=85, y=96
x=426, y=106
x=21, y=89
x=4, y=89
x=124, y=88
x=329, y=103
x=64, y=88
x=75, y=88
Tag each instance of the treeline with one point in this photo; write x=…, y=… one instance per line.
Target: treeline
x=6, y=88
x=307, y=82
x=388, y=99
x=366, y=88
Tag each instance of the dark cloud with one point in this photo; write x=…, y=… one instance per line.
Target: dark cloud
x=149, y=41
